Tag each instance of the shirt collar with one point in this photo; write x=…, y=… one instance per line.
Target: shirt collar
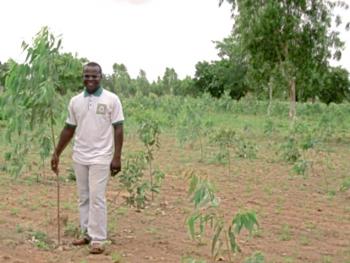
x=97, y=93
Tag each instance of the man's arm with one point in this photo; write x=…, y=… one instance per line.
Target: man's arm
x=65, y=137
x=118, y=145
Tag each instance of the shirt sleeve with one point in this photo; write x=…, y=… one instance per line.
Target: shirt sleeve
x=117, y=114
x=71, y=120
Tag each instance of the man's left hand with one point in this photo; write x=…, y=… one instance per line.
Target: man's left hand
x=115, y=166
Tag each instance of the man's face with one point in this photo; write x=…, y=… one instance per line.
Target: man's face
x=92, y=77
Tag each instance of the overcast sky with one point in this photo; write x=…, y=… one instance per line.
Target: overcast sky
x=142, y=34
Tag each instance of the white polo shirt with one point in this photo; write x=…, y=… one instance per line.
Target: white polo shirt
x=94, y=115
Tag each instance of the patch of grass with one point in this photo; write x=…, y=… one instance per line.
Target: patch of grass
x=30, y=180
x=71, y=206
x=279, y=206
x=257, y=232
x=268, y=190
x=112, y=225
x=40, y=240
x=303, y=187
x=326, y=259
x=288, y=259
x=34, y=207
x=304, y=240
x=116, y=257
x=285, y=233
x=347, y=209
x=152, y=230
x=19, y=229
x=51, y=203
x=248, y=189
x=345, y=185
x=14, y=211
x=330, y=194
x=218, y=158
x=257, y=257
x=310, y=225
x=121, y=211
x=71, y=230
x=189, y=259
x=23, y=200
x=179, y=201
x=45, y=191
x=71, y=175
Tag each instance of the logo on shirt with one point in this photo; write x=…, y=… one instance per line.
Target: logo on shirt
x=101, y=109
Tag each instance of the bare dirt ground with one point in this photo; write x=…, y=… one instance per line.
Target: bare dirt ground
x=301, y=219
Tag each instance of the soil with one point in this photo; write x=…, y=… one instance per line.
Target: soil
x=301, y=218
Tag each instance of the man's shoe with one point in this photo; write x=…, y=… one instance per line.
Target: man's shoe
x=81, y=241
x=97, y=248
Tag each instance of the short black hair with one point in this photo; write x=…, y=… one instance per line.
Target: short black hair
x=93, y=64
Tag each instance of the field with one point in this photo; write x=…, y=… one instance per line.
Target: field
x=294, y=175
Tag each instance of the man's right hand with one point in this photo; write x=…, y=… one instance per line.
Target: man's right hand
x=54, y=163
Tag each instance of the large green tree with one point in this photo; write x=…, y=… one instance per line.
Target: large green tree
x=170, y=81
x=142, y=84
x=221, y=76
x=69, y=69
x=286, y=43
x=336, y=86
x=121, y=81
x=186, y=87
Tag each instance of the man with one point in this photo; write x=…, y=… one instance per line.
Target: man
x=95, y=117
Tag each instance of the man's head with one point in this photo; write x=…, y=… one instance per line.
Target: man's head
x=92, y=75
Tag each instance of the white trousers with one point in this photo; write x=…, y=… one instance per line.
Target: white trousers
x=92, y=183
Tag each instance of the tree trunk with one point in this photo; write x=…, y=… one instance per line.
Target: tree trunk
x=57, y=181
x=270, y=99
x=292, y=94
x=291, y=83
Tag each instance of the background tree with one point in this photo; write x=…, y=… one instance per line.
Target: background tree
x=221, y=76
x=69, y=69
x=121, y=81
x=291, y=39
x=157, y=87
x=142, y=84
x=336, y=86
x=170, y=81
x=186, y=87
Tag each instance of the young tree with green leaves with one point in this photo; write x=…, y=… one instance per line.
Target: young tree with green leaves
x=206, y=214
x=149, y=132
x=192, y=127
x=32, y=103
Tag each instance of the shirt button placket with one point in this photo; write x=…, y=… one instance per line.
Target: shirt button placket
x=90, y=102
